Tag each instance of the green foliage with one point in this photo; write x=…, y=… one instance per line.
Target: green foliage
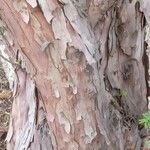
x=145, y=120
x=122, y=93
x=148, y=143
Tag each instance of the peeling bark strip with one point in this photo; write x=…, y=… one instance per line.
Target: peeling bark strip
x=78, y=59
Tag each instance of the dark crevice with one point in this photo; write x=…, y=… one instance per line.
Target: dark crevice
x=128, y=119
x=37, y=102
x=146, y=66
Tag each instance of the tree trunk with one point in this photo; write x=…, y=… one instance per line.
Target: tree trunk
x=81, y=73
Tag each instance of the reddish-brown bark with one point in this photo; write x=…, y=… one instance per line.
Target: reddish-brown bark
x=78, y=57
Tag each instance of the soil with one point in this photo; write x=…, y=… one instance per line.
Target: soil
x=5, y=108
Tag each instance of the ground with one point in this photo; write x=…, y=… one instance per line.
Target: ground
x=5, y=107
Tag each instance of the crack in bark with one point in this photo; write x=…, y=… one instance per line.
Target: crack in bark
x=146, y=68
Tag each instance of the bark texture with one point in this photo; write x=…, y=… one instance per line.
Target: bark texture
x=80, y=73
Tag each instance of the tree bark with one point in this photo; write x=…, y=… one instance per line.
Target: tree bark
x=81, y=76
